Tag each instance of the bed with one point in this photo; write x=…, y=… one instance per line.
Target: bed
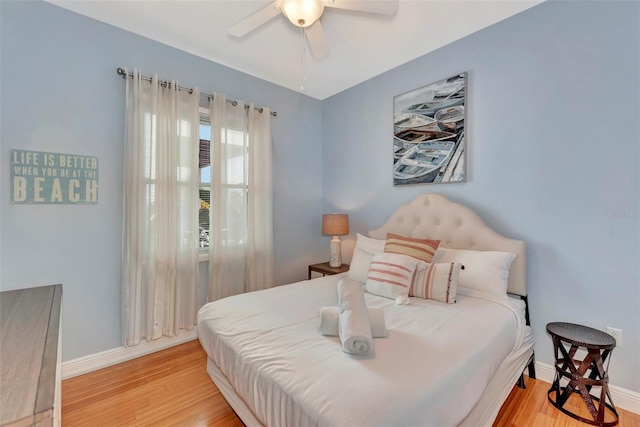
x=441, y=364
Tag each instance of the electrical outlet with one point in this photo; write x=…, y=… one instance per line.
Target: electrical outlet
x=616, y=333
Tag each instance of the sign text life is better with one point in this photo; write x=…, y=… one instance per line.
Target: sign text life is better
x=40, y=177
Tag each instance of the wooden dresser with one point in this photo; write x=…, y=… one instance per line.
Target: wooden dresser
x=30, y=357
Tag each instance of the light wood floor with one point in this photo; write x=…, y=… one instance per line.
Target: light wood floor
x=172, y=388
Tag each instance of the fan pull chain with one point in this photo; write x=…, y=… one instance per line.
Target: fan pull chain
x=303, y=71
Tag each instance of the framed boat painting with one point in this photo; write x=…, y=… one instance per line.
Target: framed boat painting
x=429, y=141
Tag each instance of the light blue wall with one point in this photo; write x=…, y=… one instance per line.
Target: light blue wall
x=554, y=147
x=61, y=93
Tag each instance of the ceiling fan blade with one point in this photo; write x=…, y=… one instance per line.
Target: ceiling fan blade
x=317, y=40
x=379, y=7
x=252, y=22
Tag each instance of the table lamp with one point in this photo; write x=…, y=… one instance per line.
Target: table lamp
x=335, y=225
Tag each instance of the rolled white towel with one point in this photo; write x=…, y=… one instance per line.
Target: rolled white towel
x=330, y=324
x=354, y=329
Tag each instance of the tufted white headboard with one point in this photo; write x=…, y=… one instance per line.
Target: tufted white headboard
x=432, y=216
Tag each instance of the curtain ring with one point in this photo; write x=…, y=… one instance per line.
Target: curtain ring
x=260, y=109
x=234, y=103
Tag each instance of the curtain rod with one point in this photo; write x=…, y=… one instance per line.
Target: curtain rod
x=124, y=75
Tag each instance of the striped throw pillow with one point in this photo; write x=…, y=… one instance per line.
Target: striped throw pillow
x=390, y=275
x=422, y=249
x=439, y=281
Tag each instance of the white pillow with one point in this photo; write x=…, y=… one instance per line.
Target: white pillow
x=363, y=253
x=367, y=244
x=390, y=275
x=484, y=271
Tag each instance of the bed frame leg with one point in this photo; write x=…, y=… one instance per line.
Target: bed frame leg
x=532, y=367
x=532, y=373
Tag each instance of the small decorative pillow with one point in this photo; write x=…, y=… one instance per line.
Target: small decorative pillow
x=390, y=275
x=422, y=249
x=484, y=271
x=362, y=256
x=439, y=281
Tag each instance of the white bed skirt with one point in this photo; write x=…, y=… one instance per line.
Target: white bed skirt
x=236, y=402
x=483, y=414
x=487, y=408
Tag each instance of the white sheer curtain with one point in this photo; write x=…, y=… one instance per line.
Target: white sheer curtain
x=241, y=230
x=160, y=226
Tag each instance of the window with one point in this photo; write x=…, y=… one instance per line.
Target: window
x=205, y=180
x=153, y=203
x=233, y=187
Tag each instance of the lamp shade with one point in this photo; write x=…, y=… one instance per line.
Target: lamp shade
x=302, y=13
x=335, y=224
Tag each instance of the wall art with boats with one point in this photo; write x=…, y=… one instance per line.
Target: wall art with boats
x=429, y=134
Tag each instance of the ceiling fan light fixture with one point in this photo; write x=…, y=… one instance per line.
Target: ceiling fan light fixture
x=302, y=13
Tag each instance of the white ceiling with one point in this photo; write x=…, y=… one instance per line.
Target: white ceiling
x=361, y=46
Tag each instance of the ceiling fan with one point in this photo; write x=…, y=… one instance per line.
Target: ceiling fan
x=306, y=14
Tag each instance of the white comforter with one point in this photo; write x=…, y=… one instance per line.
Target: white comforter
x=430, y=371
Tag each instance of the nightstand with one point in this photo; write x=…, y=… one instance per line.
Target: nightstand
x=582, y=373
x=324, y=269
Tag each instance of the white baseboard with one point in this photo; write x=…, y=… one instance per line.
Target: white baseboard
x=93, y=362
x=622, y=398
